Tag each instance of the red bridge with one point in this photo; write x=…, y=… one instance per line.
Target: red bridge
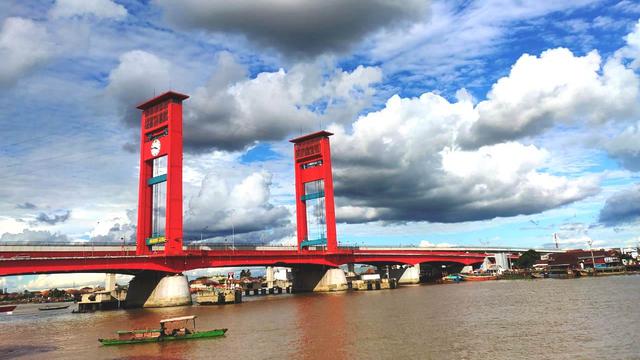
x=159, y=244
x=25, y=259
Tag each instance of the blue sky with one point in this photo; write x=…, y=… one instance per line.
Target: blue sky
x=473, y=123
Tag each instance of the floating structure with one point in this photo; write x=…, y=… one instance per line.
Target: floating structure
x=111, y=298
x=218, y=296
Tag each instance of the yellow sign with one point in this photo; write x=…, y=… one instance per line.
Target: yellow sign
x=156, y=240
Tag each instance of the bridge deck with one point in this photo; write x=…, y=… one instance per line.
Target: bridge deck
x=23, y=259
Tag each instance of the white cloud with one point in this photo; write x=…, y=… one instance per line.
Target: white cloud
x=11, y=225
x=223, y=208
x=632, y=48
x=99, y=8
x=34, y=236
x=138, y=76
x=24, y=45
x=233, y=111
x=451, y=44
x=64, y=281
x=426, y=243
x=557, y=87
x=402, y=163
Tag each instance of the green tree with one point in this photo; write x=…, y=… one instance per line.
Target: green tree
x=527, y=259
x=57, y=293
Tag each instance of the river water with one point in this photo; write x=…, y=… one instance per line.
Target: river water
x=582, y=318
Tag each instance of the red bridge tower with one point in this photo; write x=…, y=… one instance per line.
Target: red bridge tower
x=160, y=188
x=315, y=209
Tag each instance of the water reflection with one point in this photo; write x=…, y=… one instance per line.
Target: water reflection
x=321, y=329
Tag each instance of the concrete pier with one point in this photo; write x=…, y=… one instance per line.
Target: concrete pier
x=153, y=289
x=319, y=279
x=406, y=274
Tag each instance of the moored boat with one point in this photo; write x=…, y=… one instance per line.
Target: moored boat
x=453, y=278
x=53, y=307
x=474, y=277
x=170, y=329
x=7, y=308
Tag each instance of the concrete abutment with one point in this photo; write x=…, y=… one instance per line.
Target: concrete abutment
x=406, y=274
x=153, y=289
x=319, y=279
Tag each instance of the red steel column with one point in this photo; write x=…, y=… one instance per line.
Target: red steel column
x=174, y=234
x=332, y=242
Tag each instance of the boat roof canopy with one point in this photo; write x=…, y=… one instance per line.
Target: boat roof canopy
x=182, y=318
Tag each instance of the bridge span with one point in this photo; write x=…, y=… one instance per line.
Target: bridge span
x=26, y=259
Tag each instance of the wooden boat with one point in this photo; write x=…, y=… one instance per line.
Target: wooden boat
x=7, y=308
x=53, y=307
x=170, y=329
x=475, y=277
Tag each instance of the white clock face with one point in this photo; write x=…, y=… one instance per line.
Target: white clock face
x=155, y=147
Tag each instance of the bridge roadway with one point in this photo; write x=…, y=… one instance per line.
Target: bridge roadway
x=19, y=259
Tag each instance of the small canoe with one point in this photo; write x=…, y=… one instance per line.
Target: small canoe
x=53, y=307
x=151, y=339
x=7, y=308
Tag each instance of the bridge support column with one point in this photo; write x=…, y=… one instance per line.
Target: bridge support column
x=153, y=289
x=319, y=279
x=407, y=275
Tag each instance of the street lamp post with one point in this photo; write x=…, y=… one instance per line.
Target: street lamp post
x=593, y=259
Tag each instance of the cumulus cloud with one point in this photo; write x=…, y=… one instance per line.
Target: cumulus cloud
x=221, y=208
x=53, y=218
x=138, y=76
x=24, y=45
x=622, y=207
x=34, y=236
x=298, y=27
x=402, y=164
x=99, y=8
x=118, y=228
x=233, y=111
x=556, y=87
